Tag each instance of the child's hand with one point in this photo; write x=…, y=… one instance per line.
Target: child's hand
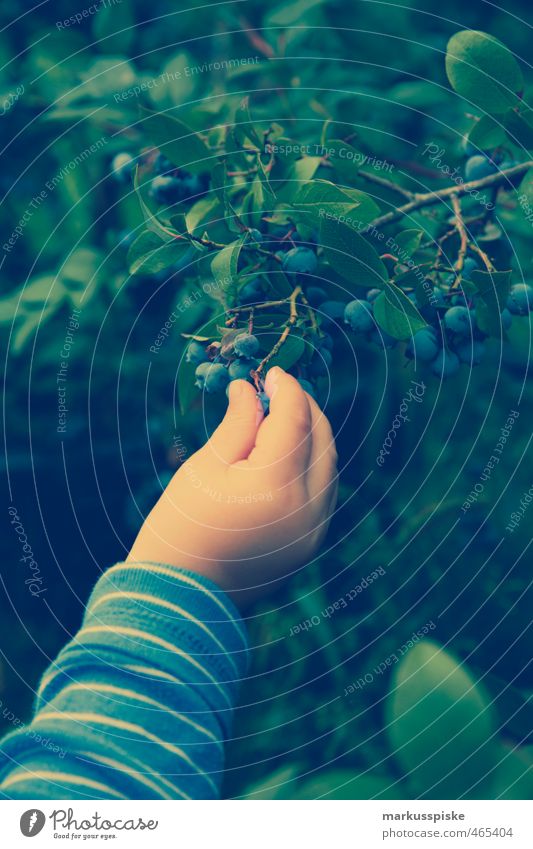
x=254, y=503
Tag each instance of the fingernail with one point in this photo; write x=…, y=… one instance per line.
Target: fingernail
x=271, y=380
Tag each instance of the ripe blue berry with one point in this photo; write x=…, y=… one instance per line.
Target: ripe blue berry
x=300, y=261
x=162, y=165
x=423, y=345
x=445, y=364
x=240, y=369
x=251, y=292
x=246, y=345
x=479, y=166
x=372, y=294
x=471, y=353
x=196, y=353
x=358, y=315
x=255, y=235
x=213, y=377
x=520, y=300
x=469, y=265
x=332, y=311
x=458, y=320
x=166, y=189
x=191, y=185
x=315, y=295
x=122, y=167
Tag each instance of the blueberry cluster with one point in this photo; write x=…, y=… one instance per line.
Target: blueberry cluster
x=169, y=184
x=214, y=375
x=172, y=185
x=452, y=336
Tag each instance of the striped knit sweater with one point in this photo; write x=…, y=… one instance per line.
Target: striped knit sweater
x=139, y=703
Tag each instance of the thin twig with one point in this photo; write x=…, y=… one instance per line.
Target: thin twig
x=287, y=329
x=431, y=198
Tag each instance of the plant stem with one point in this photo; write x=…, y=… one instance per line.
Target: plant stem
x=431, y=198
x=286, y=330
x=387, y=184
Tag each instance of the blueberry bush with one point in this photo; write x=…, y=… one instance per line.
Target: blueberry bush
x=191, y=198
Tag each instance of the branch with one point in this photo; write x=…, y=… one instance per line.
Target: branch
x=287, y=329
x=460, y=227
x=387, y=184
x=431, y=198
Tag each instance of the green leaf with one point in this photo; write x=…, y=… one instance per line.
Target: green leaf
x=224, y=265
x=492, y=291
x=396, y=314
x=319, y=198
x=186, y=388
x=439, y=724
x=486, y=133
x=525, y=190
x=351, y=255
x=244, y=129
x=202, y=212
x=482, y=70
x=290, y=352
x=519, y=128
x=342, y=784
x=407, y=243
x=149, y=255
x=150, y=219
x=178, y=142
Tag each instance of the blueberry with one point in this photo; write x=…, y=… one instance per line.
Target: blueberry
x=246, y=345
x=479, y=166
x=506, y=319
x=458, y=320
x=240, y=369
x=300, y=261
x=423, y=345
x=520, y=300
x=307, y=386
x=191, y=185
x=471, y=353
x=122, y=167
x=213, y=377
x=372, y=294
x=165, y=189
x=445, y=364
x=162, y=165
x=196, y=353
x=315, y=295
x=320, y=363
x=358, y=315
x=255, y=236
x=469, y=265
x=333, y=309
x=251, y=292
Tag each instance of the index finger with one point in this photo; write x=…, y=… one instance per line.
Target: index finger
x=284, y=439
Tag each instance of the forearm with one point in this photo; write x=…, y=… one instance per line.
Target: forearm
x=139, y=703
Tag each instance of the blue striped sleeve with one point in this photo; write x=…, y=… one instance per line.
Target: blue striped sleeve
x=139, y=703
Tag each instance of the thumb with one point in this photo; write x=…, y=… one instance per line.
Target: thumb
x=234, y=438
